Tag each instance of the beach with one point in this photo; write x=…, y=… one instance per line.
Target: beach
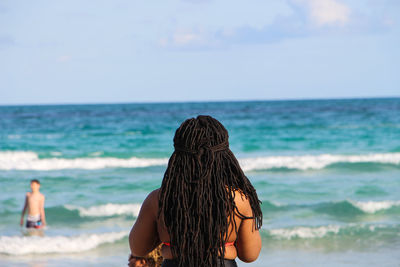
x=327, y=173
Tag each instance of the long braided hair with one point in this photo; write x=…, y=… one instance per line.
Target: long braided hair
x=196, y=200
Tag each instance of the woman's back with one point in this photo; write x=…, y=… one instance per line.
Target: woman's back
x=206, y=209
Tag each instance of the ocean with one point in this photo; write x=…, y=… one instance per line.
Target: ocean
x=327, y=172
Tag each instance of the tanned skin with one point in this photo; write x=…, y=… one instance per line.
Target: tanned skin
x=149, y=231
x=34, y=203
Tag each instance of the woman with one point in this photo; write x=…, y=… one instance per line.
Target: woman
x=206, y=212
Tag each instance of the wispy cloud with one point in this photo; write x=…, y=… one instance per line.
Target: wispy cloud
x=309, y=18
x=187, y=37
x=190, y=39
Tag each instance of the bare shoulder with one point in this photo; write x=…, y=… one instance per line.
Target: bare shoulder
x=151, y=201
x=28, y=194
x=152, y=197
x=154, y=193
x=243, y=204
x=42, y=197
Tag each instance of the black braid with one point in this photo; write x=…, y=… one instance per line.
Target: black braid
x=197, y=193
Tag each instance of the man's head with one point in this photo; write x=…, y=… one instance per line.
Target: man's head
x=35, y=185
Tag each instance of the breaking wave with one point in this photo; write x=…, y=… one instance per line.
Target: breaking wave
x=375, y=206
x=328, y=231
x=339, y=208
x=304, y=232
x=307, y=162
x=21, y=245
x=105, y=210
x=18, y=160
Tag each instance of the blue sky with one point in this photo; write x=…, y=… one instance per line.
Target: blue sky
x=197, y=50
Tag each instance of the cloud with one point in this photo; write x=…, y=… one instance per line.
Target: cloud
x=282, y=28
x=187, y=38
x=190, y=39
x=309, y=18
x=326, y=12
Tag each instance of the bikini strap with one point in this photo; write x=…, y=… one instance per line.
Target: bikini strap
x=228, y=244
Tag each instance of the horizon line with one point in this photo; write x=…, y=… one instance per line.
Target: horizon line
x=197, y=101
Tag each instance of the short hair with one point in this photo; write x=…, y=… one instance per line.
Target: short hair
x=35, y=181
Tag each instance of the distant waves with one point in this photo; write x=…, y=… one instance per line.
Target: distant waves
x=342, y=208
x=21, y=160
x=29, y=160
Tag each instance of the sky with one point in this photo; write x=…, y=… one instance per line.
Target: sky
x=73, y=51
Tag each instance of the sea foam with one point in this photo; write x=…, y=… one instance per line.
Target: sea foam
x=109, y=209
x=326, y=231
x=28, y=160
x=306, y=162
x=304, y=232
x=20, y=245
x=19, y=160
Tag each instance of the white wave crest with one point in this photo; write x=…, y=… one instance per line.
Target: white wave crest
x=314, y=161
x=107, y=210
x=374, y=206
x=18, y=245
x=18, y=160
x=304, y=232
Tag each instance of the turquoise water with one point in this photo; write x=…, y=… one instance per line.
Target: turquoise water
x=327, y=171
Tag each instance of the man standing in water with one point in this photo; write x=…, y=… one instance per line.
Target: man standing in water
x=34, y=201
